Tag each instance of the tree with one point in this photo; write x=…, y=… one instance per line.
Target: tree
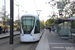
x=73, y=24
x=4, y=16
x=8, y=21
x=41, y=24
x=50, y=22
x=71, y=9
x=17, y=22
x=44, y=22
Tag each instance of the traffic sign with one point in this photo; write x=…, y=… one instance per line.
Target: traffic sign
x=60, y=14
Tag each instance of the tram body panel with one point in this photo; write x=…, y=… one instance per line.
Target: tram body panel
x=30, y=37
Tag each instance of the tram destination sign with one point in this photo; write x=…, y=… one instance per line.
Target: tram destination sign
x=27, y=17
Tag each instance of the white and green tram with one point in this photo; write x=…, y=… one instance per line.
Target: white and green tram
x=31, y=28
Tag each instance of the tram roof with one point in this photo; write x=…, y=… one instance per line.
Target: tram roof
x=31, y=15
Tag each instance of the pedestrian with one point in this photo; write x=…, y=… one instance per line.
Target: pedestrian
x=50, y=29
x=0, y=30
x=5, y=29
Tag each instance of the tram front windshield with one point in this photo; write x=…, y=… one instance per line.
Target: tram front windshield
x=27, y=24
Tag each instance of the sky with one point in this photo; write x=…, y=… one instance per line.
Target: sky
x=30, y=6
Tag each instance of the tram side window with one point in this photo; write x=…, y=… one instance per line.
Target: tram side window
x=37, y=27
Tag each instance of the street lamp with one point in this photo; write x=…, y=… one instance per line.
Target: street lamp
x=18, y=11
x=11, y=20
x=18, y=14
x=4, y=11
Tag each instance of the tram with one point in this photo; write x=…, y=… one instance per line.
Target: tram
x=31, y=28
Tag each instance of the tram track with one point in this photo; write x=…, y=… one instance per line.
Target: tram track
x=4, y=44
x=34, y=46
x=6, y=40
x=15, y=46
x=25, y=46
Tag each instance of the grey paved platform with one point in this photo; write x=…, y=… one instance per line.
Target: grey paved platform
x=52, y=41
x=8, y=34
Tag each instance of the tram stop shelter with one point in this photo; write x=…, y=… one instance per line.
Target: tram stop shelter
x=63, y=28
x=72, y=28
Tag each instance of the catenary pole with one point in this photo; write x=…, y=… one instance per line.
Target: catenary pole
x=11, y=20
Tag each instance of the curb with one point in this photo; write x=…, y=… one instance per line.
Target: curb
x=6, y=36
x=43, y=43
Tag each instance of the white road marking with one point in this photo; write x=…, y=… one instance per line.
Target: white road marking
x=61, y=43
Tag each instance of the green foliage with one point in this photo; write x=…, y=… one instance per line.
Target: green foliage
x=18, y=22
x=72, y=7
x=44, y=22
x=50, y=22
x=3, y=16
x=41, y=24
x=8, y=21
x=73, y=24
x=65, y=17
